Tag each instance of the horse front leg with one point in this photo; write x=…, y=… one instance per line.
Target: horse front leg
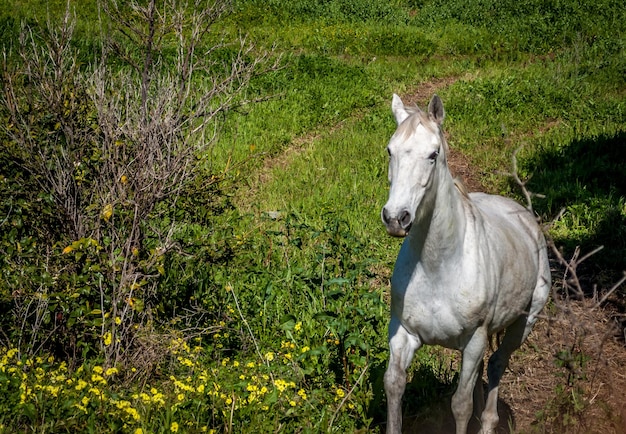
x=402, y=347
x=471, y=368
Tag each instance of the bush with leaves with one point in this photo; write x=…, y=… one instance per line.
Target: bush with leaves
x=112, y=146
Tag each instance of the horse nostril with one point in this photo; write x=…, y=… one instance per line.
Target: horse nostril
x=385, y=216
x=405, y=219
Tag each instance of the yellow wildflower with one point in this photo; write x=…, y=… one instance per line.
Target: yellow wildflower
x=107, y=212
x=132, y=413
x=185, y=361
x=67, y=250
x=174, y=427
x=95, y=378
x=340, y=394
x=53, y=390
x=281, y=385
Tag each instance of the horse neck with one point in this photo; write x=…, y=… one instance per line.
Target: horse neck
x=439, y=228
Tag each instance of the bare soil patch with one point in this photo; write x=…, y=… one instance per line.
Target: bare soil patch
x=570, y=377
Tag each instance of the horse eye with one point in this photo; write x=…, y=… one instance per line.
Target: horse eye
x=389, y=151
x=433, y=156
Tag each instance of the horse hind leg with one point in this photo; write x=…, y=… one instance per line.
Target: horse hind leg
x=513, y=338
x=498, y=362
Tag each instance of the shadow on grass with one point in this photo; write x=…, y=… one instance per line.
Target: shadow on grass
x=587, y=179
x=426, y=405
x=437, y=418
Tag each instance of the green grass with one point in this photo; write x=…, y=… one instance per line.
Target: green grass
x=284, y=275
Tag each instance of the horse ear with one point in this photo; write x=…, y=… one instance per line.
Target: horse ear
x=398, y=110
x=435, y=109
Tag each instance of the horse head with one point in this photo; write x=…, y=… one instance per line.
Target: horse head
x=416, y=158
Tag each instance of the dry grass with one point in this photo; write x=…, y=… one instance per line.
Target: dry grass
x=576, y=350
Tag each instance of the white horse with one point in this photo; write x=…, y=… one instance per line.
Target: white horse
x=471, y=265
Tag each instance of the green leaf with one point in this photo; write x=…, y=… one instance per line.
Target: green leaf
x=287, y=322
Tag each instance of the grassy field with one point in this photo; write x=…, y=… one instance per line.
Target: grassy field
x=270, y=311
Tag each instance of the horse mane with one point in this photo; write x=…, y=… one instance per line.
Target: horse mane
x=460, y=185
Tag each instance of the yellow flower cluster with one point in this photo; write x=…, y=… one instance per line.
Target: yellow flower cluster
x=282, y=385
x=92, y=390
x=256, y=388
x=155, y=398
x=264, y=383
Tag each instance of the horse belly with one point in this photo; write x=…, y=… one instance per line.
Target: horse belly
x=437, y=323
x=512, y=302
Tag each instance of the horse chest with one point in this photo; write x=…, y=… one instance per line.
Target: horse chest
x=438, y=313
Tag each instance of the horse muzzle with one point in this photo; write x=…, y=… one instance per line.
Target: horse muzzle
x=398, y=225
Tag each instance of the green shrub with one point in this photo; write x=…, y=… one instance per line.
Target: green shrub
x=353, y=11
x=532, y=25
